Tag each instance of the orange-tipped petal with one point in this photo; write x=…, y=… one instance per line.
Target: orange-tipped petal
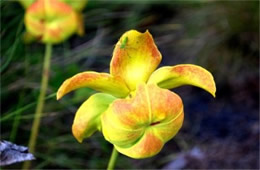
x=149, y=145
x=184, y=74
x=51, y=21
x=87, y=119
x=98, y=81
x=139, y=126
x=153, y=139
x=135, y=57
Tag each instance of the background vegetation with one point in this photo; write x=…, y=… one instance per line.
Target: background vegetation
x=217, y=133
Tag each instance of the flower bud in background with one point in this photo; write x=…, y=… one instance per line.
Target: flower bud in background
x=53, y=21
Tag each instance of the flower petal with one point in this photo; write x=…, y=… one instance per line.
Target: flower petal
x=153, y=139
x=184, y=74
x=98, y=81
x=149, y=145
x=139, y=126
x=87, y=119
x=135, y=57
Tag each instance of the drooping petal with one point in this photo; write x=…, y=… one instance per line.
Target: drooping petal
x=139, y=126
x=183, y=74
x=98, y=81
x=149, y=145
x=162, y=130
x=154, y=138
x=51, y=21
x=87, y=118
x=135, y=57
x=118, y=135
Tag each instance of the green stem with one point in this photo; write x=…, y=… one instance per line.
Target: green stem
x=112, y=160
x=40, y=103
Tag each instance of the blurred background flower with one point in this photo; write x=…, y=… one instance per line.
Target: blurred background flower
x=52, y=21
x=221, y=36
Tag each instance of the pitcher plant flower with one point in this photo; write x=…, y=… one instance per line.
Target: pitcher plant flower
x=135, y=111
x=53, y=21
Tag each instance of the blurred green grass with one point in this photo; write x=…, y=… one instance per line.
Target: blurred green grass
x=220, y=36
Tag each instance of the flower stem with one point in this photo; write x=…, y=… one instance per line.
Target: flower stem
x=112, y=160
x=40, y=103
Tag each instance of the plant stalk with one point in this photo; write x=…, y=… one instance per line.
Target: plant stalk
x=40, y=102
x=112, y=160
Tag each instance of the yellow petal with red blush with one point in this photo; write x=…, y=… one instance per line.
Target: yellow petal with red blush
x=98, y=81
x=135, y=57
x=87, y=119
x=184, y=74
x=51, y=21
x=147, y=146
x=139, y=126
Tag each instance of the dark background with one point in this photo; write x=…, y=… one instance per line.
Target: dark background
x=221, y=36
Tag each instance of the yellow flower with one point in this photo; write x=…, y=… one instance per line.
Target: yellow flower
x=53, y=21
x=135, y=111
